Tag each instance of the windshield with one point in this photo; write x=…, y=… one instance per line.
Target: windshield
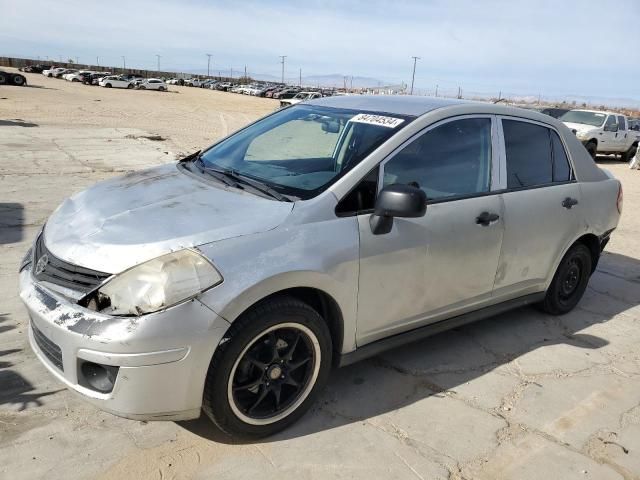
x=594, y=119
x=300, y=151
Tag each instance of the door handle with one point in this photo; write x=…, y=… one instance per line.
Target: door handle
x=569, y=202
x=485, y=218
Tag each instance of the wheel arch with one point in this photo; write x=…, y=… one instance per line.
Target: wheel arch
x=592, y=242
x=322, y=302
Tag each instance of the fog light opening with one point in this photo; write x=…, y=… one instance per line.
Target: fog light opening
x=100, y=378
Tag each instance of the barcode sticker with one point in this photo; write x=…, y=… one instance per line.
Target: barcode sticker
x=379, y=120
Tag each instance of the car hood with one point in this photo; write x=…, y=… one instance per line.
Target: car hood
x=122, y=222
x=579, y=127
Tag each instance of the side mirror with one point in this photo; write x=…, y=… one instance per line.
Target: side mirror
x=402, y=201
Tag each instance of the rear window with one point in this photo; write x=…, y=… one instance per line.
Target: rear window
x=528, y=150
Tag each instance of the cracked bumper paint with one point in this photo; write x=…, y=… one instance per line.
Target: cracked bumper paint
x=162, y=357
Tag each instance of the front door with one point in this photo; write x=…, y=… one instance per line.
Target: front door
x=428, y=268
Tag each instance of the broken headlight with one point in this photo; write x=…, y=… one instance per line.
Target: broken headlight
x=26, y=260
x=155, y=284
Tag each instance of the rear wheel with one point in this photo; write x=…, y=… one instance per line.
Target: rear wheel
x=592, y=148
x=161, y=89
x=142, y=87
x=629, y=154
x=269, y=372
x=569, y=282
x=130, y=85
x=108, y=85
x=18, y=80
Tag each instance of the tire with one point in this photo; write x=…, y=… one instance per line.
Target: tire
x=161, y=89
x=3, y=78
x=130, y=86
x=569, y=282
x=629, y=154
x=108, y=85
x=74, y=80
x=262, y=354
x=142, y=87
x=18, y=80
x=592, y=148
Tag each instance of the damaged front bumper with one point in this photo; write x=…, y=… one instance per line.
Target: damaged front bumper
x=154, y=365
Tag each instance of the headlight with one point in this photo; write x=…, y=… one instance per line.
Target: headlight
x=26, y=260
x=583, y=134
x=156, y=284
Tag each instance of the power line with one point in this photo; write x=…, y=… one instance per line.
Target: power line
x=413, y=77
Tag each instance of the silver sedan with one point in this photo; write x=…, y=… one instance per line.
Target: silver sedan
x=232, y=281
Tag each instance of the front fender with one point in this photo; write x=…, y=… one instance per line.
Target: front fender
x=321, y=255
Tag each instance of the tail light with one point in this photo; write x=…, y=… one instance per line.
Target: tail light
x=619, y=201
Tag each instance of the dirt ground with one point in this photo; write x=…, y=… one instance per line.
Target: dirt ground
x=519, y=396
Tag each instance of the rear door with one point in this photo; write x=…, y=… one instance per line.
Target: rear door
x=541, y=207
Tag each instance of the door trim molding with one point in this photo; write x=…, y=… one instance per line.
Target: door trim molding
x=379, y=346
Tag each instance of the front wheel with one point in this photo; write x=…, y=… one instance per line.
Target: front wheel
x=108, y=85
x=270, y=370
x=592, y=148
x=629, y=154
x=142, y=87
x=569, y=282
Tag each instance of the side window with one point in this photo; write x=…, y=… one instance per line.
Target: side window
x=561, y=168
x=622, y=124
x=451, y=160
x=611, y=121
x=528, y=149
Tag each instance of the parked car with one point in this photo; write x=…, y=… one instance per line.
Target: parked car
x=66, y=71
x=192, y=82
x=554, y=112
x=602, y=132
x=12, y=78
x=95, y=78
x=300, y=97
x=77, y=76
x=115, y=81
x=223, y=86
x=286, y=93
x=34, y=68
x=153, y=84
x=318, y=236
x=53, y=72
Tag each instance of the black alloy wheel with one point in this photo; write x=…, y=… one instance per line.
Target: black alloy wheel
x=274, y=362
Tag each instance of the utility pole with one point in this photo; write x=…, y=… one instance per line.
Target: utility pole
x=459, y=93
x=245, y=74
x=351, y=83
x=231, y=74
x=282, y=57
x=208, y=63
x=413, y=77
x=158, y=61
x=300, y=80
x=124, y=63
x=77, y=61
x=436, y=90
x=97, y=62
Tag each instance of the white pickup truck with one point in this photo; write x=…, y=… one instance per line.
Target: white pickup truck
x=603, y=132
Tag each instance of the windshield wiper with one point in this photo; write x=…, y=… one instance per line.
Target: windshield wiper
x=256, y=184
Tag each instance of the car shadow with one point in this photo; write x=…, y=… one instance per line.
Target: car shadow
x=440, y=364
x=11, y=223
x=17, y=123
x=14, y=388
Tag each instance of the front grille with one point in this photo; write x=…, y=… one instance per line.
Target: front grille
x=47, y=347
x=48, y=268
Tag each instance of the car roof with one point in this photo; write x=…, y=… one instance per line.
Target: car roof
x=595, y=111
x=398, y=104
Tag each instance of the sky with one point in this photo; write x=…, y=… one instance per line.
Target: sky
x=533, y=47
